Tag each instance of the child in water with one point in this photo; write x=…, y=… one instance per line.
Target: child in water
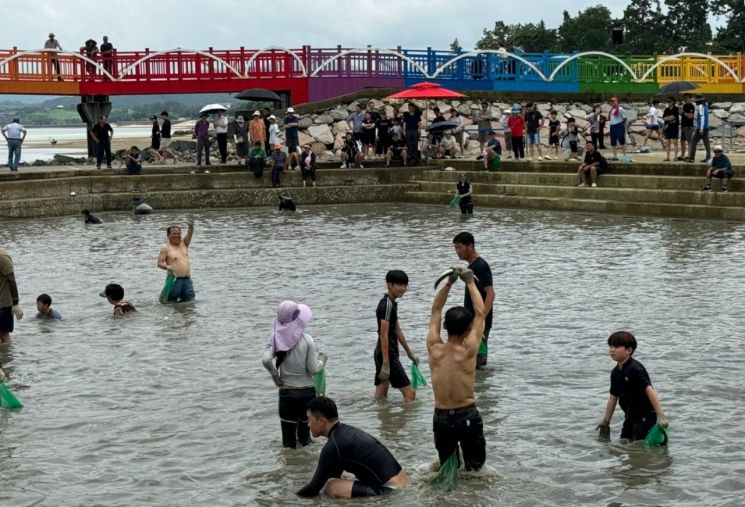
x=44, y=306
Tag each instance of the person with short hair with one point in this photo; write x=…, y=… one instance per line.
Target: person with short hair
x=294, y=352
x=412, y=120
x=594, y=165
x=383, y=128
x=630, y=388
x=653, y=123
x=617, y=119
x=493, y=153
x=221, y=135
x=687, y=114
x=721, y=168
x=102, y=134
x=89, y=218
x=241, y=139
x=701, y=131
x=516, y=124
x=534, y=121
x=351, y=153
x=483, y=118
x=44, y=307
x=388, y=368
x=504, y=121
x=133, y=160
x=308, y=165
x=292, y=136
x=114, y=293
x=554, y=127
x=671, y=128
x=174, y=258
x=107, y=56
x=202, y=135
x=464, y=191
x=9, y=302
x=596, y=127
x=397, y=150
x=154, y=134
x=456, y=421
x=256, y=130
x=257, y=158
x=279, y=162
x=465, y=248
x=355, y=120
x=14, y=133
x=165, y=138
x=350, y=450
x=448, y=146
x=52, y=43
x=368, y=134
x=569, y=137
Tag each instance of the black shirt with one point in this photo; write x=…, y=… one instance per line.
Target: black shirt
x=553, y=127
x=388, y=310
x=684, y=120
x=351, y=450
x=411, y=121
x=594, y=157
x=629, y=384
x=398, y=144
x=101, y=131
x=464, y=188
x=482, y=271
x=107, y=46
x=165, y=129
x=383, y=126
x=155, y=131
x=533, y=120
x=92, y=219
x=671, y=111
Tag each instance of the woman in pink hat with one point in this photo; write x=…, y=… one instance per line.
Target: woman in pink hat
x=296, y=363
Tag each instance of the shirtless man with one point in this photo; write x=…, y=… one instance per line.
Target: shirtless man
x=453, y=367
x=174, y=257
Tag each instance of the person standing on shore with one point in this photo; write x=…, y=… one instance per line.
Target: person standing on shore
x=14, y=134
x=256, y=130
x=9, y=307
x=155, y=134
x=174, y=258
x=102, y=133
x=617, y=119
x=465, y=248
x=457, y=421
x=165, y=137
x=202, y=135
x=52, y=43
x=221, y=133
x=267, y=124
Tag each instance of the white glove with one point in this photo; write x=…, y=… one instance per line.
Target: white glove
x=17, y=312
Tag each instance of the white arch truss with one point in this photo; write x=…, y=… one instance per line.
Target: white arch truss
x=365, y=50
x=695, y=55
x=277, y=48
x=477, y=52
x=98, y=65
x=595, y=53
x=149, y=56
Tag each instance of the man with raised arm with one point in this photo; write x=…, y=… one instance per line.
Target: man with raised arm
x=453, y=366
x=174, y=258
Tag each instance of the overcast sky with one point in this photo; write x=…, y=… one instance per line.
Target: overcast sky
x=229, y=24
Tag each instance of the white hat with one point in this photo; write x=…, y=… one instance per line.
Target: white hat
x=240, y=119
x=507, y=110
x=272, y=117
x=257, y=113
x=718, y=147
x=290, y=110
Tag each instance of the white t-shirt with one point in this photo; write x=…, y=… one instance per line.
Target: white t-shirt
x=221, y=125
x=652, y=116
x=14, y=130
x=273, y=133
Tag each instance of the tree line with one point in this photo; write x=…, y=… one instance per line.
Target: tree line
x=647, y=29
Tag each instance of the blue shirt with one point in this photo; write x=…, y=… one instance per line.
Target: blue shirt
x=721, y=162
x=52, y=315
x=356, y=119
x=702, y=116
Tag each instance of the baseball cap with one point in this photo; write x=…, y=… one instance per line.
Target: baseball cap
x=718, y=147
x=290, y=110
x=272, y=117
x=256, y=113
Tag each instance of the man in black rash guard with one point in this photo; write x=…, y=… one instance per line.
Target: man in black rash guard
x=349, y=450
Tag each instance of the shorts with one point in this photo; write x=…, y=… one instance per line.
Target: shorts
x=450, y=153
x=464, y=427
x=483, y=136
x=652, y=127
x=357, y=136
x=686, y=134
x=6, y=319
x=360, y=490
x=182, y=290
x=723, y=175
x=618, y=134
x=165, y=142
x=671, y=132
x=638, y=430
x=534, y=138
x=397, y=378
x=553, y=140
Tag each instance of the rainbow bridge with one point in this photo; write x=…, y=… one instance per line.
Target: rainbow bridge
x=310, y=74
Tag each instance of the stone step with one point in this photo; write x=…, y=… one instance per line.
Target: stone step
x=201, y=199
x=681, y=197
x=695, y=212
x=652, y=182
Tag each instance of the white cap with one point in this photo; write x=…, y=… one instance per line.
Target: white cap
x=718, y=147
x=507, y=110
x=272, y=117
x=290, y=110
x=257, y=113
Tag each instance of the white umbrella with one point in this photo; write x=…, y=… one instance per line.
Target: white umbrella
x=213, y=108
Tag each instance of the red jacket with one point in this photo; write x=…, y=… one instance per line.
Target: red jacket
x=516, y=123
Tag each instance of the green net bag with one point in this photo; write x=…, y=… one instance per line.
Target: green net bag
x=319, y=381
x=170, y=280
x=483, y=348
x=417, y=379
x=495, y=163
x=447, y=477
x=455, y=202
x=656, y=437
x=8, y=399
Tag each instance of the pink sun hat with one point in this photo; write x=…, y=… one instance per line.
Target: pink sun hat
x=289, y=325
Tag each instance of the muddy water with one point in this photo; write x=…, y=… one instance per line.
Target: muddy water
x=172, y=406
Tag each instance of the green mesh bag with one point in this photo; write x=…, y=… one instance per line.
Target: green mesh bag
x=447, y=477
x=495, y=163
x=319, y=381
x=170, y=280
x=483, y=348
x=455, y=202
x=8, y=399
x=656, y=437
x=417, y=379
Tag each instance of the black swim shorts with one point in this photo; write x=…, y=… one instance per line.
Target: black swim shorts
x=6, y=319
x=397, y=378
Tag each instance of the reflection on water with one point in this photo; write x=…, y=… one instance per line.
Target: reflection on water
x=172, y=407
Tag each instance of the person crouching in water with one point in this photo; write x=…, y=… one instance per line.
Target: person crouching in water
x=388, y=368
x=296, y=361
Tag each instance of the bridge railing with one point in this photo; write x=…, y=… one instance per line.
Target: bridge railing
x=343, y=62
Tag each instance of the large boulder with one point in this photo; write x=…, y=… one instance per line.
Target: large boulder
x=317, y=148
x=738, y=107
x=183, y=145
x=340, y=127
x=321, y=133
x=715, y=122
x=324, y=119
x=338, y=141
x=63, y=159
x=577, y=113
x=377, y=104
x=736, y=117
x=720, y=113
x=339, y=114
x=305, y=122
x=304, y=138
x=721, y=105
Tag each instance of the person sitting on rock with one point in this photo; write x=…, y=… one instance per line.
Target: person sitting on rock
x=256, y=159
x=351, y=152
x=397, y=150
x=448, y=146
x=594, y=164
x=720, y=168
x=133, y=160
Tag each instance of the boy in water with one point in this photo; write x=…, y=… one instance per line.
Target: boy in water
x=115, y=294
x=388, y=368
x=44, y=306
x=631, y=388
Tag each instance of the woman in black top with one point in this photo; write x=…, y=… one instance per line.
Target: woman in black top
x=155, y=135
x=671, y=130
x=463, y=190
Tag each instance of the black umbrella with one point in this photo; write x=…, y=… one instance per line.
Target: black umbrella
x=258, y=95
x=441, y=126
x=677, y=87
